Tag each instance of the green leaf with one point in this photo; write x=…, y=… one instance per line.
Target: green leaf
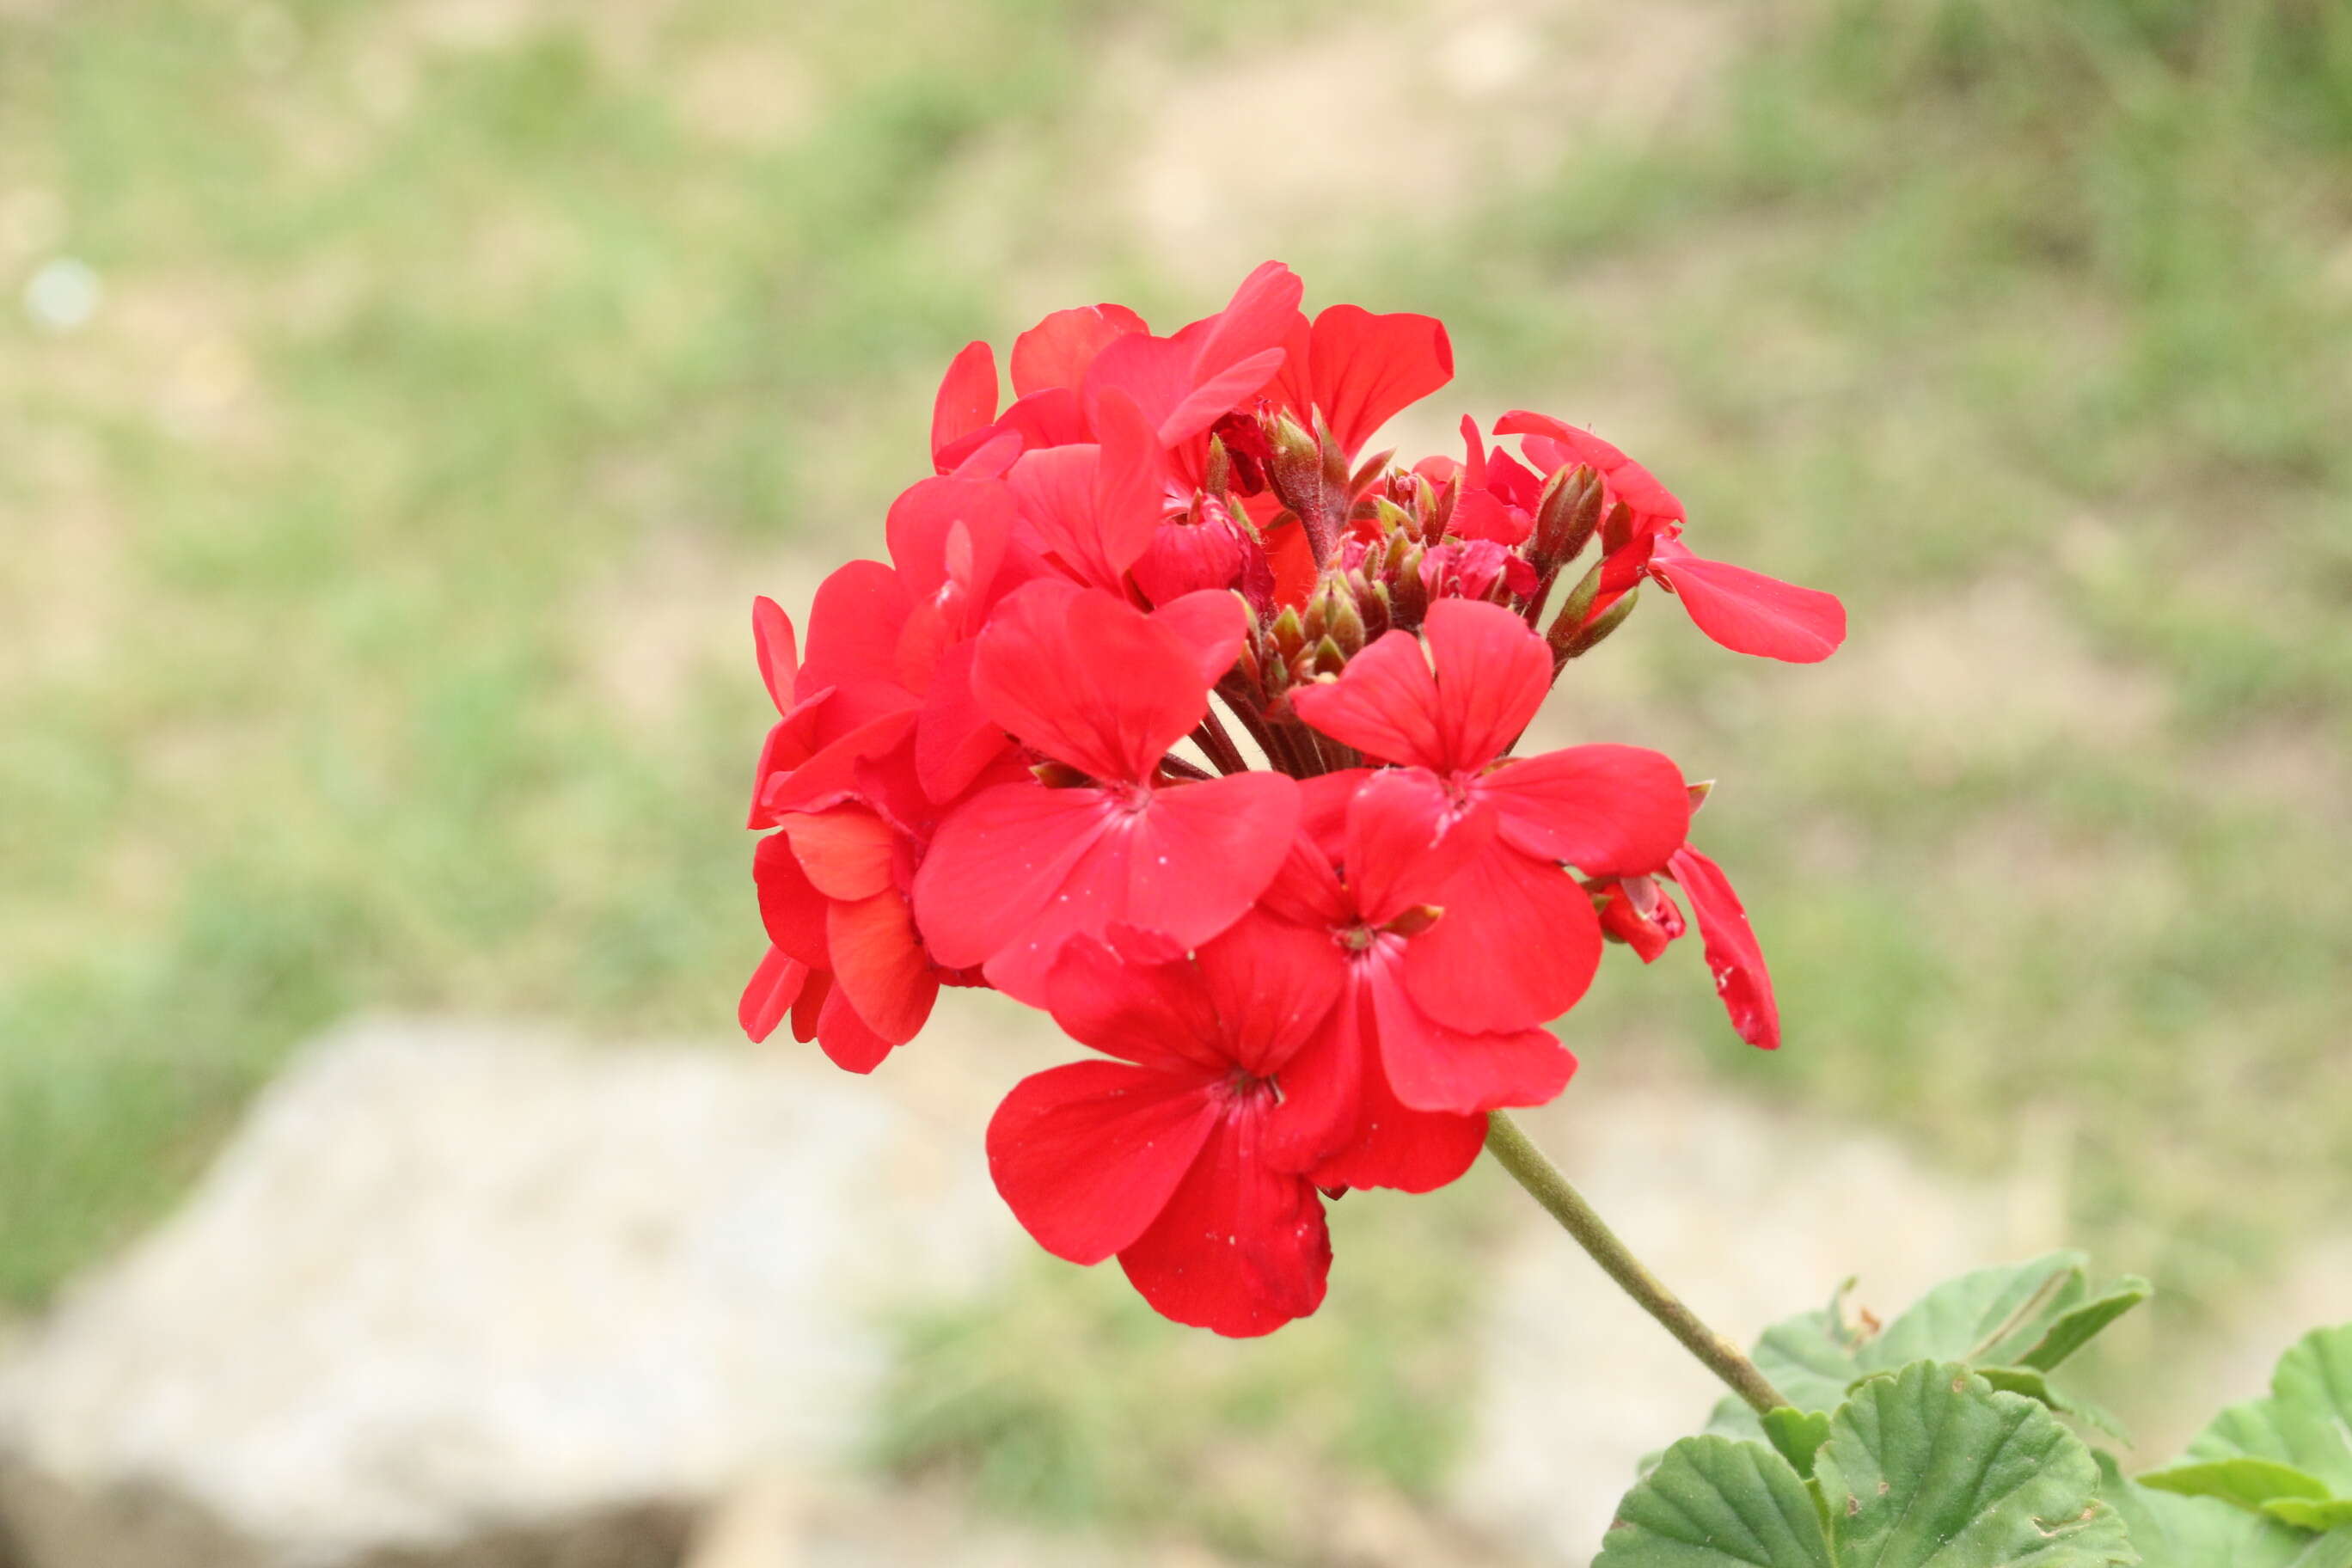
x=1798, y=1435
x=2173, y=1530
x=1930, y=1465
x=2247, y=1483
x=2292, y=1447
x=1713, y=1503
x=1987, y=1318
x=2306, y=1514
x=1926, y=1468
x=2078, y=1326
x=2035, y=1384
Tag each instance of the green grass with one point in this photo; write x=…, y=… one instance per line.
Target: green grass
x=371, y=620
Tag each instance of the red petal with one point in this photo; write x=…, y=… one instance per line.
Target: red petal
x=1431, y=1068
x=1492, y=674
x=1187, y=865
x=1272, y=985
x=772, y=636
x=1211, y=624
x=1241, y=1248
x=790, y=908
x=1517, y=946
x=1629, y=481
x=1086, y=1155
x=1606, y=810
x=1365, y=368
x=845, y=851
x=1749, y=613
x=955, y=740
x=1156, y=1015
x=880, y=964
x=967, y=397
x=844, y=1037
x=1057, y=350
x=1733, y=955
x=1384, y=704
x=1389, y=1144
x=775, y=985
x=854, y=625
x=1406, y=839
x=997, y=863
x=1255, y=320
x=1089, y=681
x=924, y=519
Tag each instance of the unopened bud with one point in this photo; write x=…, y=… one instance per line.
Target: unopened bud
x=1336, y=477
x=1393, y=519
x=1612, y=618
x=1343, y=621
x=1573, y=609
x=1617, y=530
x=1567, y=515
x=1408, y=594
x=1330, y=657
x=1379, y=614
x=1287, y=634
x=1216, y=477
x=1296, y=471
x=1439, y=516
x=1369, y=469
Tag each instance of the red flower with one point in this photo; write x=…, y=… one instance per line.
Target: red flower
x=1450, y=714
x=1104, y=689
x=1163, y=1156
x=989, y=767
x=1745, y=611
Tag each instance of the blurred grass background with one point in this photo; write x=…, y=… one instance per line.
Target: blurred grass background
x=371, y=624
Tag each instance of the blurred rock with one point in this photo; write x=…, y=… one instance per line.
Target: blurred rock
x=1751, y=1215
x=457, y=1296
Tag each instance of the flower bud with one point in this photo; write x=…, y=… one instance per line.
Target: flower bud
x=1572, y=611
x=1216, y=475
x=1343, y=621
x=1329, y=658
x=1566, y=516
x=1295, y=470
x=1612, y=618
x=1287, y=634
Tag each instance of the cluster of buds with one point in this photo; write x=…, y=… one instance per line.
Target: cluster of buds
x=1309, y=963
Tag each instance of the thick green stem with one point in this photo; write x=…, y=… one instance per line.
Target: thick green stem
x=1531, y=1170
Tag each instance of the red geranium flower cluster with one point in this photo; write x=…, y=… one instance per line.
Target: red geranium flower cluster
x=1315, y=928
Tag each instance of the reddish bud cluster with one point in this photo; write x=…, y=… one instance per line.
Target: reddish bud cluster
x=1303, y=976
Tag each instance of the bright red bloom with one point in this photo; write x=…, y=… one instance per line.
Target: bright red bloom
x=1450, y=714
x=990, y=766
x=1165, y=1155
x=1102, y=689
x=1745, y=611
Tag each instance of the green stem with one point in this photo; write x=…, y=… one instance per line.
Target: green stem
x=1544, y=1183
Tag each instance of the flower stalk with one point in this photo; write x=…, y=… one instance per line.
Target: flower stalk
x=1529, y=1166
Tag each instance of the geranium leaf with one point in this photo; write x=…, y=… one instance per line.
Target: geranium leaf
x=1925, y=1468
x=2171, y=1530
x=1797, y=1436
x=1716, y=1504
x=2248, y=1483
x=1931, y=1466
x=2307, y=1422
x=2078, y=1326
x=1984, y=1318
x=2306, y=1514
